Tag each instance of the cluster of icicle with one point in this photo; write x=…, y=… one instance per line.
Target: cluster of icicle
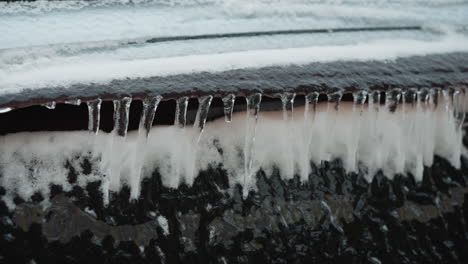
x=400, y=136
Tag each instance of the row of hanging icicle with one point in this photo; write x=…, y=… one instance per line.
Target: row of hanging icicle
x=453, y=101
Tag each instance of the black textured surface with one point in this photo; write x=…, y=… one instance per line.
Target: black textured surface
x=334, y=217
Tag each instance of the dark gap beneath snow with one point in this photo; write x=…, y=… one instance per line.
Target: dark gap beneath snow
x=67, y=117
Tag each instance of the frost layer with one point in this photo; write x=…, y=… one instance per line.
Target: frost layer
x=400, y=142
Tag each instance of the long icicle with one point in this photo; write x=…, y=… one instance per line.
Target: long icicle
x=112, y=164
x=458, y=102
x=180, y=120
x=359, y=98
x=334, y=98
x=289, y=129
x=146, y=123
x=253, y=108
x=311, y=99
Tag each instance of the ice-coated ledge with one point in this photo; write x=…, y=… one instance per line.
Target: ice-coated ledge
x=415, y=71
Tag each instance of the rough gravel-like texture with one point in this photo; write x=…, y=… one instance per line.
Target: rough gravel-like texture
x=334, y=217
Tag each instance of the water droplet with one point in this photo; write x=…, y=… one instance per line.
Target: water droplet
x=181, y=111
x=228, y=102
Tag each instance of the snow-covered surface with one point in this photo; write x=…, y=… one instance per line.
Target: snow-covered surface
x=60, y=43
x=65, y=71
x=396, y=143
x=43, y=23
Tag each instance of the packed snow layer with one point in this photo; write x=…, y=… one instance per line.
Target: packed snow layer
x=400, y=142
x=54, y=22
x=63, y=71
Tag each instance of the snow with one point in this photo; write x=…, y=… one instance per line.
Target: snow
x=65, y=71
x=61, y=43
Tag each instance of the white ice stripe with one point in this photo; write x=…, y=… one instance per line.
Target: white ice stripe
x=53, y=22
x=72, y=70
x=394, y=143
x=44, y=6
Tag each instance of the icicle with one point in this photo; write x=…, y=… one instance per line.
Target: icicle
x=375, y=132
x=359, y=98
x=5, y=110
x=425, y=95
x=428, y=126
x=446, y=95
x=50, y=105
x=228, y=102
x=253, y=107
x=147, y=115
x=411, y=96
x=458, y=102
x=374, y=101
x=73, y=102
x=94, y=113
x=311, y=98
x=335, y=97
x=288, y=104
x=435, y=96
x=121, y=116
x=392, y=99
x=181, y=111
x=204, y=103
x=253, y=104
x=308, y=132
x=146, y=123
x=113, y=157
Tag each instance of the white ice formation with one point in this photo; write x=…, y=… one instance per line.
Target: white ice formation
x=400, y=136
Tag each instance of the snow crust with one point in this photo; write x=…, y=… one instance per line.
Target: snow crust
x=53, y=22
x=401, y=142
x=66, y=71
